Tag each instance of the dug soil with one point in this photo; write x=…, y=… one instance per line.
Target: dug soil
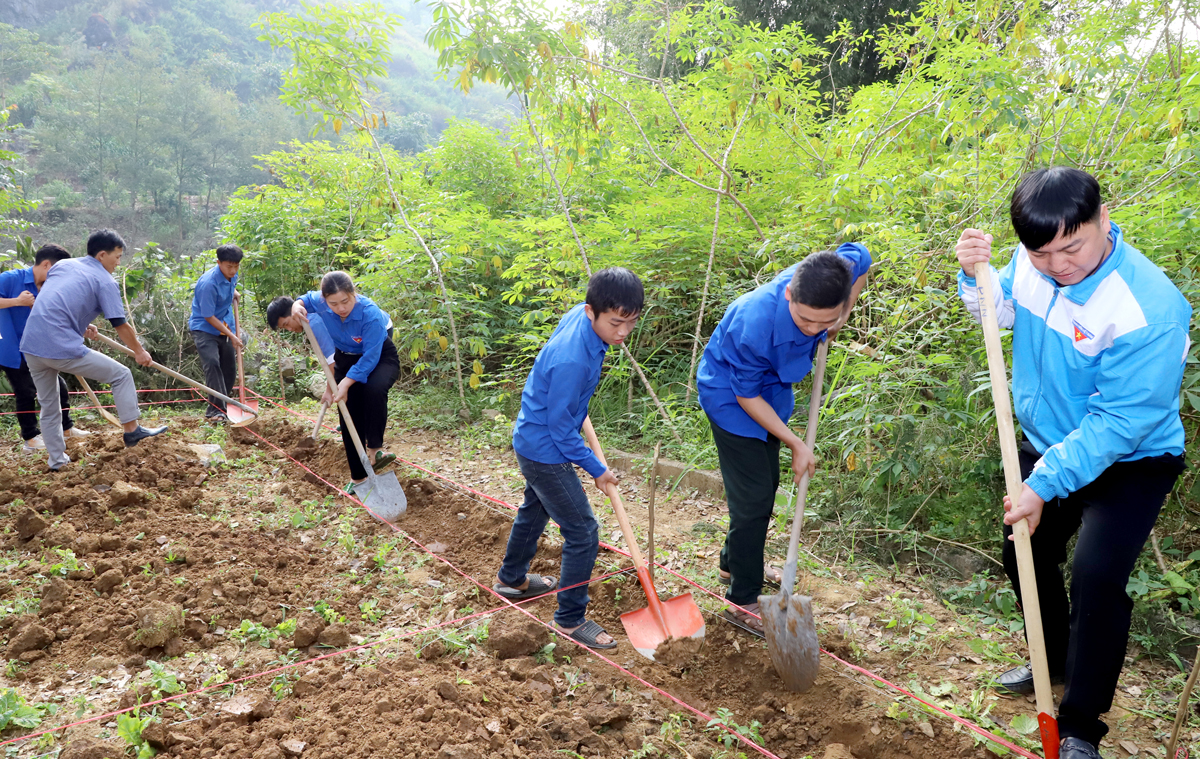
x=137, y=569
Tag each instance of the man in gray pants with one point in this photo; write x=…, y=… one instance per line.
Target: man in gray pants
x=75, y=292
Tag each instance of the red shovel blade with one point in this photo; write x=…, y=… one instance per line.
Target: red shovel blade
x=238, y=417
x=683, y=619
x=1049, y=728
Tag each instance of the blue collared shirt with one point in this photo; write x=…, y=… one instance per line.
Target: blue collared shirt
x=75, y=292
x=555, y=400
x=757, y=349
x=12, y=320
x=360, y=333
x=213, y=296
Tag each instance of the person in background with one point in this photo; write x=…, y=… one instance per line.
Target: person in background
x=18, y=290
x=75, y=292
x=213, y=328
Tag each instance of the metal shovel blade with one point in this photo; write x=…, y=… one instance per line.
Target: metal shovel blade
x=683, y=620
x=239, y=417
x=383, y=496
x=791, y=639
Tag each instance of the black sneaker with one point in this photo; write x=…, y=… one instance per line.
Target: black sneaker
x=135, y=437
x=1077, y=748
x=1019, y=680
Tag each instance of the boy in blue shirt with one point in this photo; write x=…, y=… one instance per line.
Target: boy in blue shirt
x=548, y=445
x=75, y=292
x=213, y=328
x=763, y=345
x=18, y=289
x=1099, y=339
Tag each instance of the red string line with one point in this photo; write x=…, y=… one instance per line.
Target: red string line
x=964, y=722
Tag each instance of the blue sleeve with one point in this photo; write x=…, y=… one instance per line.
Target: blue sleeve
x=374, y=333
x=858, y=256
x=7, y=281
x=109, y=296
x=323, y=338
x=312, y=301
x=206, y=298
x=1138, y=385
x=565, y=391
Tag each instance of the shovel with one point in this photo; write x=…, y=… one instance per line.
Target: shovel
x=235, y=414
x=1012, y=482
x=96, y=401
x=648, y=628
x=311, y=440
x=247, y=419
x=787, y=617
x=381, y=494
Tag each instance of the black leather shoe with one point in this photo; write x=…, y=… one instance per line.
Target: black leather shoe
x=141, y=433
x=1077, y=748
x=1019, y=680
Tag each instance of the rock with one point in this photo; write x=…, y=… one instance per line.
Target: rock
x=511, y=637
x=926, y=728
x=448, y=691
x=269, y=750
x=459, y=751
x=491, y=413
x=30, y=638
x=54, y=597
x=174, y=647
x=155, y=734
x=837, y=751
x=157, y=623
x=87, y=748
x=308, y=628
x=109, y=580
x=123, y=495
x=101, y=664
x=293, y=747
x=207, y=454
x=615, y=715
x=29, y=523
x=334, y=636
x=307, y=685
x=87, y=543
x=264, y=707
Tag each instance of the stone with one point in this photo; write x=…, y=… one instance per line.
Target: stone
x=29, y=523
x=459, y=751
x=293, y=747
x=208, y=454
x=448, y=691
x=124, y=495
x=109, y=580
x=308, y=628
x=334, y=636
x=54, y=597
x=155, y=734
x=30, y=638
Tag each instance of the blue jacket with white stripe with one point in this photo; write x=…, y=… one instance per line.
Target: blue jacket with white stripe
x=1097, y=366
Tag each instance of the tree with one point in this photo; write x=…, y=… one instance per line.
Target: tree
x=408, y=134
x=20, y=56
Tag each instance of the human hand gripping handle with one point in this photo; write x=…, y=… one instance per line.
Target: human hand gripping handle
x=1012, y=480
x=974, y=248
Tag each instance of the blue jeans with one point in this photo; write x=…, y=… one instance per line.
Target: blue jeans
x=553, y=491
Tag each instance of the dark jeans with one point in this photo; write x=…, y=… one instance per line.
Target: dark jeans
x=553, y=491
x=219, y=360
x=750, y=470
x=366, y=402
x=25, y=393
x=1086, y=638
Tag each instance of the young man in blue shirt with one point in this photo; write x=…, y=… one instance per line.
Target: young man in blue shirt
x=1100, y=338
x=763, y=345
x=213, y=328
x=548, y=445
x=75, y=292
x=18, y=290
x=365, y=362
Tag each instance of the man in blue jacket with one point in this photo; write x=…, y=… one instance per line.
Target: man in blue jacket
x=546, y=439
x=213, y=328
x=764, y=344
x=18, y=290
x=1100, y=337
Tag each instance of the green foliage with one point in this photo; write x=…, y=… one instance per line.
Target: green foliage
x=163, y=682
x=129, y=727
x=249, y=631
x=15, y=710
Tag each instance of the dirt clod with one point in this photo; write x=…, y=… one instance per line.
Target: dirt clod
x=335, y=636
x=30, y=638
x=109, y=580
x=123, y=495
x=837, y=751
x=308, y=628
x=511, y=637
x=157, y=623
x=29, y=523
x=87, y=748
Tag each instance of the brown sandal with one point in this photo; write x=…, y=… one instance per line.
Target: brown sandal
x=745, y=618
x=772, y=576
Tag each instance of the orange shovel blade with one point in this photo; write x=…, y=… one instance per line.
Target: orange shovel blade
x=683, y=619
x=238, y=417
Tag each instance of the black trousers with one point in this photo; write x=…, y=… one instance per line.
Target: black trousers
x=1087, y=636
x=25, y=394
x=750, y=469
x=366, y=402
x=219, y=360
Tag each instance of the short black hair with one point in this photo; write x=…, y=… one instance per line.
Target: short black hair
x=230, y=253
x=1052, y=200
x=822, y=280
x=277, y=309
x=616, y=289
x=336, y=282
x=50, y=252
x=103, y=241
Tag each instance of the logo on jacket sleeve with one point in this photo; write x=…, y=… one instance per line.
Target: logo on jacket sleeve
x=1081, y=332
x=359, y=339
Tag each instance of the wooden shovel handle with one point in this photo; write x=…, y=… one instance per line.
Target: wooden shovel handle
x=237, y=326
x=1012, y=481
x=96, y=401
x=362, y=452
